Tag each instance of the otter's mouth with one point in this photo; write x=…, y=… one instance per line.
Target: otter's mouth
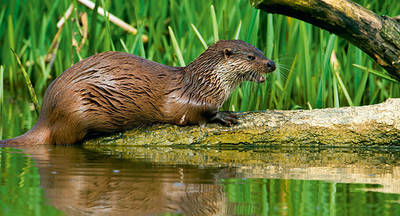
x=257, y=77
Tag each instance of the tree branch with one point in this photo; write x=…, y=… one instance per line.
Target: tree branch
x=378, y=36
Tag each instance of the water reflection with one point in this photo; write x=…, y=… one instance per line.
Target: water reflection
x=80, y=182
x=345, y=165
x=269, y=181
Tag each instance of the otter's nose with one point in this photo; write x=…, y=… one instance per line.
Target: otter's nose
x=271, y=65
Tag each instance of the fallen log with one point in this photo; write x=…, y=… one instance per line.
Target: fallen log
x=378, y=36
x=373, y=125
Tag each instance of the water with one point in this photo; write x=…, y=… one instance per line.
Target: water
x=54, y=180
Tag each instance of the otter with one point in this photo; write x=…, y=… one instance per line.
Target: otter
x=114, y=91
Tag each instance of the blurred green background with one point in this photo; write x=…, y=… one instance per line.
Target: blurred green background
x=308, y=75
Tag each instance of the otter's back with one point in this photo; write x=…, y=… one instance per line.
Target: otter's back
x=108, y=92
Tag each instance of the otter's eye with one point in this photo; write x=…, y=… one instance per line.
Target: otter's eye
x=250, y=57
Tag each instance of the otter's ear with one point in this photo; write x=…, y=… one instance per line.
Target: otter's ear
x=228, y=52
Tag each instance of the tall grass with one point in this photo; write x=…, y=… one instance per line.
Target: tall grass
x=307, y=75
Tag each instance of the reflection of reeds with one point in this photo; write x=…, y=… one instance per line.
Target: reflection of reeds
x=21, y=193
x=305, y=197
x=306, y=76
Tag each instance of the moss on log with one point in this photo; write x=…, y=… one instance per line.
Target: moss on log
x=374, y=125
x=378, y=36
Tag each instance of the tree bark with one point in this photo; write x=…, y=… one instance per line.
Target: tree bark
x=378, y=36
x=373, y=125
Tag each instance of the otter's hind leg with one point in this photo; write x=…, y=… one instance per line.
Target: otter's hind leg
x=67, y=132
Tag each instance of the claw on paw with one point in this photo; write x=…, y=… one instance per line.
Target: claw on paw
x=226, y=118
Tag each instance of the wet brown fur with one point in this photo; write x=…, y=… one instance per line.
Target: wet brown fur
x=115, y=91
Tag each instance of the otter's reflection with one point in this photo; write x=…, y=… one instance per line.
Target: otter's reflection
x=85, y=183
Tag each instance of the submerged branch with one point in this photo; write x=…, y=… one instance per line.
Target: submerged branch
x=372, y=125
x=378, y=36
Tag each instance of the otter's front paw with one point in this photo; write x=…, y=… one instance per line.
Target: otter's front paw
x=226, y=118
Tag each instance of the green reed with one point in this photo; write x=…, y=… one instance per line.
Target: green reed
x=307, y=75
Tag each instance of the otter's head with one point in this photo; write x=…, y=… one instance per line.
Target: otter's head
x=242, y=61
x=227, y=63
x=233, y=61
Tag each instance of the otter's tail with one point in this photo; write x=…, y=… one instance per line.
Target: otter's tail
x=35, y=136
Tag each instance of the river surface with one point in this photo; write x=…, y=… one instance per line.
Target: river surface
x=70, y=180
